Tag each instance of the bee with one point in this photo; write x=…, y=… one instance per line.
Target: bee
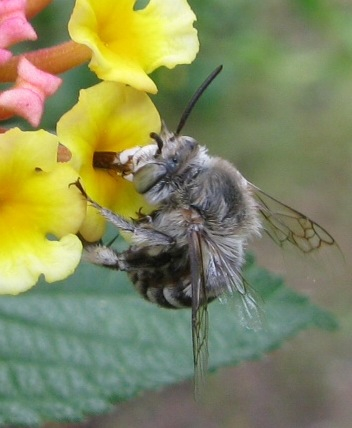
x=191, y=249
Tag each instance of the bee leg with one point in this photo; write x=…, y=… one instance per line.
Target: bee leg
x=140, y=233
x=133, y=259
x=102, y=256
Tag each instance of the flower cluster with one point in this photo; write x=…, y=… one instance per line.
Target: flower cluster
x=42, y=216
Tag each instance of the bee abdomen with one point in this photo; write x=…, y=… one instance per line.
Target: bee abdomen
x=173, y=296
x=169, y=297
x=177, y=295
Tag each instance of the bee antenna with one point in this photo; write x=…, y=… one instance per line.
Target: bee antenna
x=159, y=141
x=199, y=92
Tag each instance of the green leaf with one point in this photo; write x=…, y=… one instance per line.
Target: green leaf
x=72, y=349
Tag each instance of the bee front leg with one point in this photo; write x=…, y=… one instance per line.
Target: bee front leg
x=140, y=233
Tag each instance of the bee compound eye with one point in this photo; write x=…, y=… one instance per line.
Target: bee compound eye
x=148, y=176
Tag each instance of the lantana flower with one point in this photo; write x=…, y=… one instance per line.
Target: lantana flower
x=109, y=117
x=40, y=212
x=128, y=44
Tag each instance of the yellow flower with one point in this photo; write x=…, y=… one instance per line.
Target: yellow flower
x=128, y=44
x=109, y=117
x=39, y=212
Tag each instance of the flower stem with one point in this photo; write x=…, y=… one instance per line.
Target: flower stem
x=54, y=60
x=33, y=7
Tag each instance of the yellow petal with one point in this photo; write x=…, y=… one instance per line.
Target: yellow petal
x=39, y=211
x=129, y=44
x=21, y=266
x=108, y=117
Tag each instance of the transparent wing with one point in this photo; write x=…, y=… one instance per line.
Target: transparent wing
x=200, y=322
x=214, y=274
x=285, y=225
x=225, y=275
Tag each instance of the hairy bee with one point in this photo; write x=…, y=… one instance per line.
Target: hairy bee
x=190, y=249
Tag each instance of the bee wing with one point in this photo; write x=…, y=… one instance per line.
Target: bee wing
x=286, y=225
x=226, y=277
x=200, y=321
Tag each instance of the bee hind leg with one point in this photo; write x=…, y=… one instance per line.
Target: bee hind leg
x=102, y=256
x=134, y=259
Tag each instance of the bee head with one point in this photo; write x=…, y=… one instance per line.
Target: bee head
x=174, y=158
x=162, y=169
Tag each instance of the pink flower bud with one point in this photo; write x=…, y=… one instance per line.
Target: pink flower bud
x=5, y=55
x=14, y=26
x=27, y=97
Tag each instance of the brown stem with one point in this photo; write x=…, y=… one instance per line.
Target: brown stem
x=54, y=60
x=33, y=7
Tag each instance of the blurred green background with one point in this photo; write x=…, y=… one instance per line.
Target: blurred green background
x=281, y=111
